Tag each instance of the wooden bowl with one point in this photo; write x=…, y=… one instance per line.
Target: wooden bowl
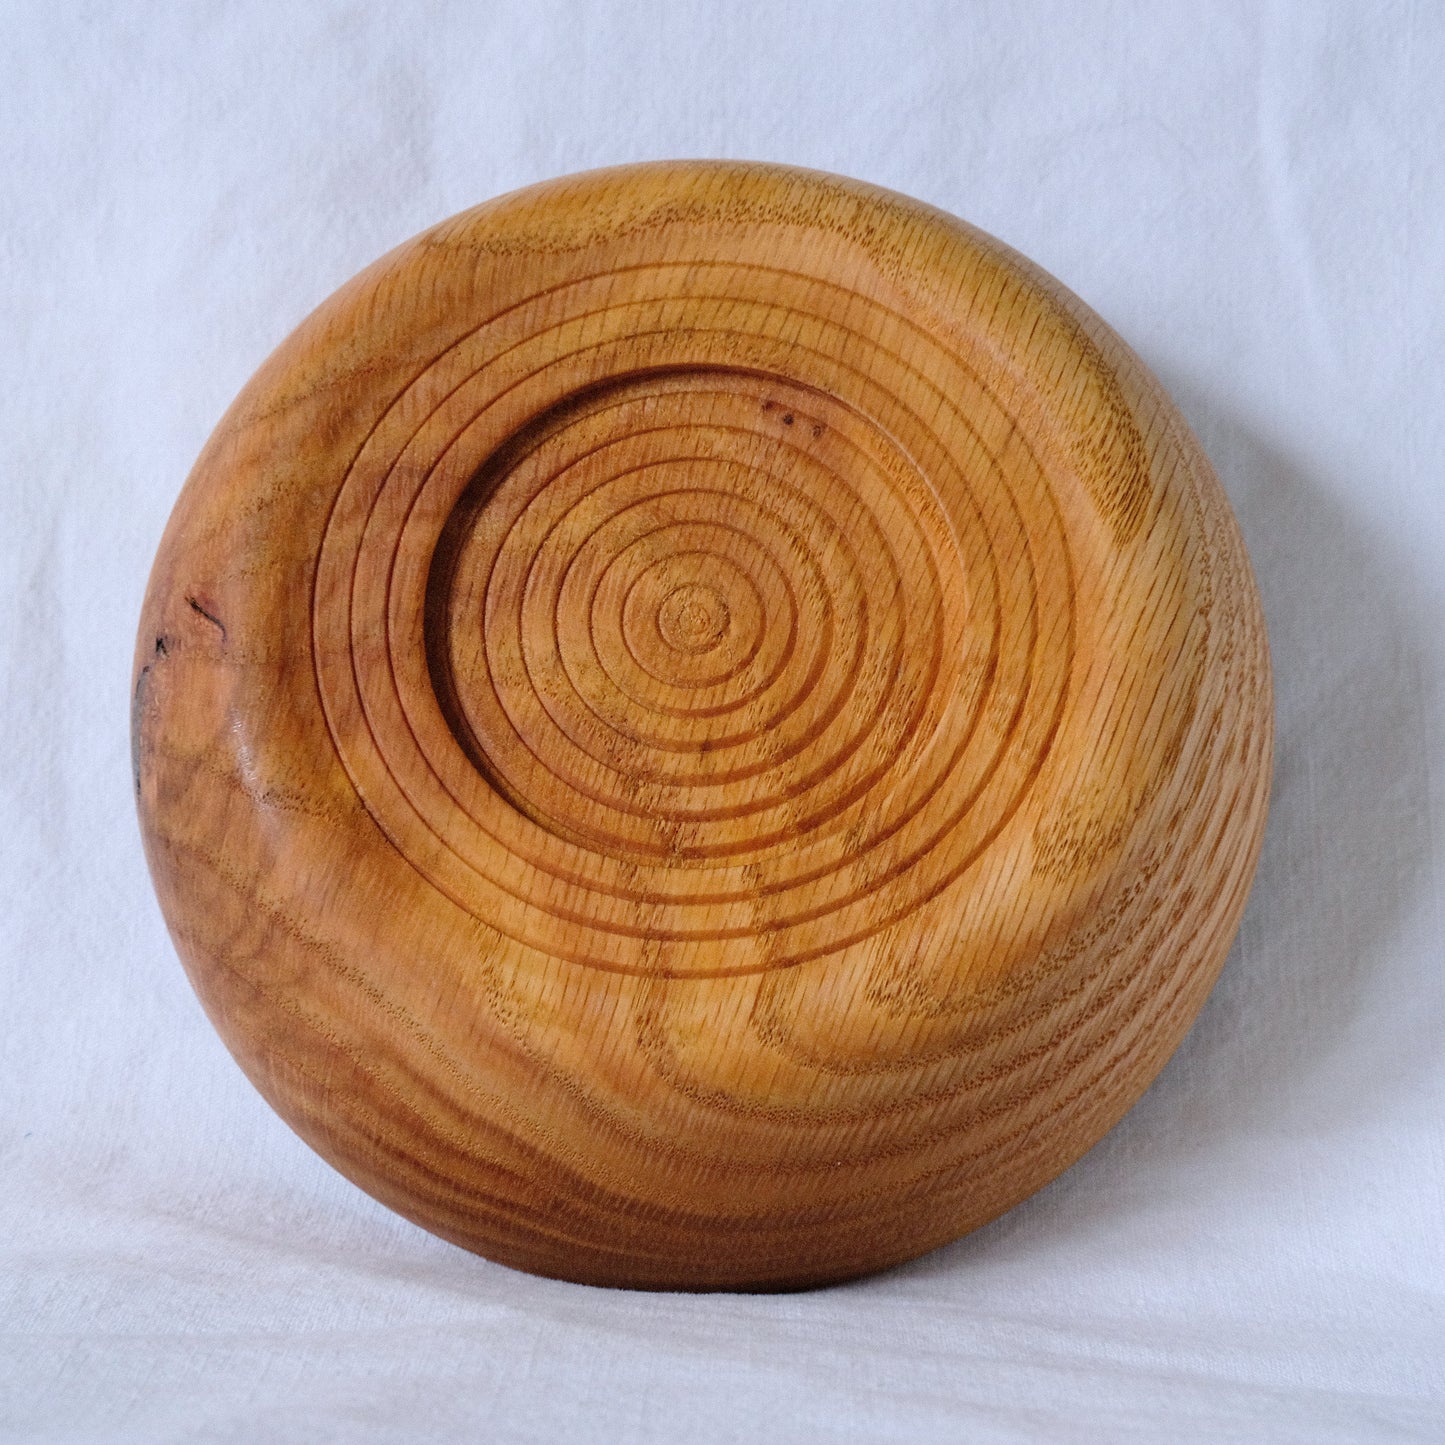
x=702, y=726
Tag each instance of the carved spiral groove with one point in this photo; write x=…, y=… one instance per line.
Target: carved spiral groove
x=878, y=672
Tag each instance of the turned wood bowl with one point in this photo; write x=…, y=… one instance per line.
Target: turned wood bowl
x=702, y=726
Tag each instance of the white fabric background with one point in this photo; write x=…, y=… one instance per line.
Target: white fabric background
x=1254, y=195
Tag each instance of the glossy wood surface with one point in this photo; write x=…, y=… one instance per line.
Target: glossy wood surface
x=702, y=726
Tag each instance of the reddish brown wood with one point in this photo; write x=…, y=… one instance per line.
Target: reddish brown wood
x=702, y=725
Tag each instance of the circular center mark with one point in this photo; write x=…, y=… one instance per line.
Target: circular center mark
x=692, y=618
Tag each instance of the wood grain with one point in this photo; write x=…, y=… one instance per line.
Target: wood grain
x=702, y=726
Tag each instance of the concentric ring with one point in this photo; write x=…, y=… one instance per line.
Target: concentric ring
x=693, y=615
x=859, y=767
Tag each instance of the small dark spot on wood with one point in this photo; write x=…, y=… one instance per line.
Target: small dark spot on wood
x=160, y=647
x=769, y=405
x=817, y=429
x=209, y=616
x=788, y=419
